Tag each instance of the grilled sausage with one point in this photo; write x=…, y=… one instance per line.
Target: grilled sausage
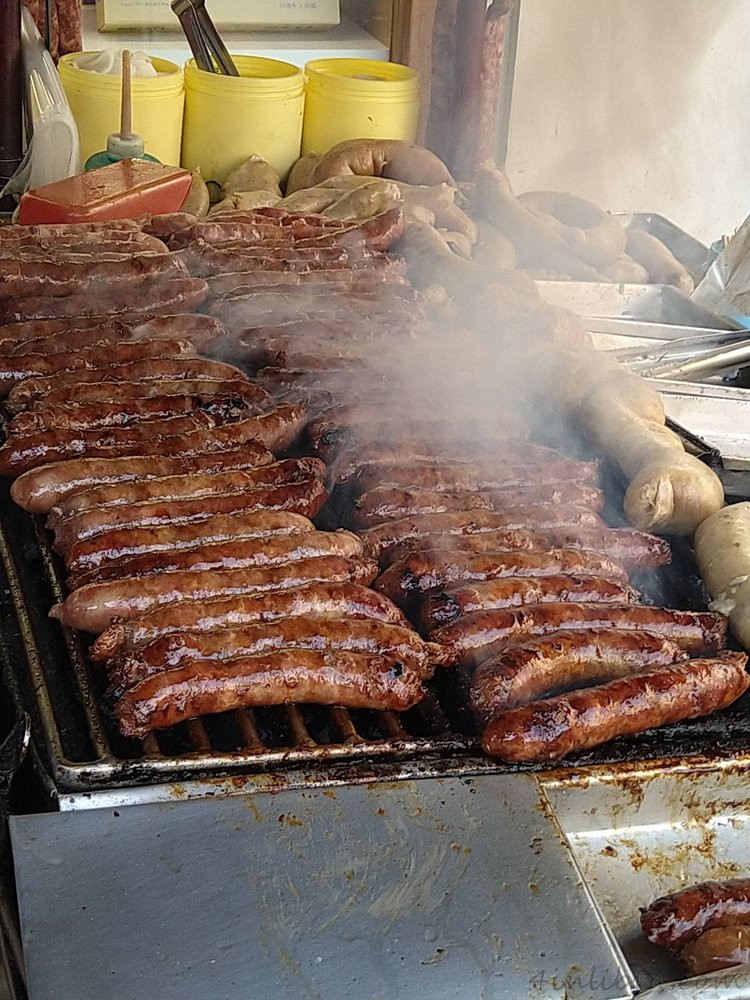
x=345, y=600
x=533, y=668
x=632, y=549
x=40, y=489
x=102, y=392
x=148, y=370
x=355, y=680
x=381, y=538
x=717, y=948
x=674, y=920
x=479, y=636
x=424, y=571
x=387, y=503
x=57, y=230
x=531, y=516
x=21, y=278
x=16, y=368
x=202, y=336
x=183, y=487
x=27, y=451
x=553, y=728
x=92, y=416
x=364, y=635
x=94, y=607
x=305, y=496
x=294, y=281
x=202, y=545
x=154, y=295
x=507, y=592
x=444, y=477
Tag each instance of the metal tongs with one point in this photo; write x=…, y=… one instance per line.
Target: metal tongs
x=210, y=53
x=689, y=357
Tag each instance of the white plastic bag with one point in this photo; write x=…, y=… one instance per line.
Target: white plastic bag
x=53, y=151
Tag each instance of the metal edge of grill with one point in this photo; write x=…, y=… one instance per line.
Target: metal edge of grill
x=48, y=673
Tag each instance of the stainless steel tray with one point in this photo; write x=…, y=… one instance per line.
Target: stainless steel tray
x=649, y=303
x=718, y=414
x=638, y=836
x=447, y=888
x=690, y=252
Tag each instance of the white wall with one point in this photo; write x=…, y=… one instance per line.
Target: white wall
x=639, y=105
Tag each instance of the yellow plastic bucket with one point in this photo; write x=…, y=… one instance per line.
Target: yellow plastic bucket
x=157, y=107
x=228, y=118
x=358, y=99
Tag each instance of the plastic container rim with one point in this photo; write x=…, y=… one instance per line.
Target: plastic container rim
x=289, y=83
x=170, y=76
x=339, y=76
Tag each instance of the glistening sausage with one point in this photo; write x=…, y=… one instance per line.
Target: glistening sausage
x=446, y=478
x=424, y=571
x=203, y=546
x=305, y=496
x=533, y=668
x=322, y=677
x=148, y=370
x=183, y=487
x=98, y=392
x=717, y=948
x=674, y=920
x=570, y=723
x=514, y=591
x=335, y=600
x=477, y=636
x=363, y=635
x=94, y=607
x=40, y=489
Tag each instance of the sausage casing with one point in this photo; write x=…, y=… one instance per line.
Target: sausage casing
x=358, y=635
x=183, y=487
x=532, y=668
x=717, y=948
x=345, y=600
x=40, y=489
x=94, y=607
x=480, y=635
x=204, y=546
x=674, y=920
x=322, y=677
x=515, y=591
x=301, y=497
x=420, y=572
x=569, y=723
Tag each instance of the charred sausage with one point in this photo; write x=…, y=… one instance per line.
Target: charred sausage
x=446, y=478
x=420, y=572
x=674, y=920
x=148, y=370
x=570, y=723
x=94, y=607
x=91, y=416
x=14, y=369
x=533, y=668
x=204, y=546
x=355, y=680
x=477, y=636
x=514, y=591
x=363, y=635
x=387, y=503
x=344, y=600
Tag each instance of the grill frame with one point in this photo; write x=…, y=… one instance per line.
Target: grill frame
x=48, y=674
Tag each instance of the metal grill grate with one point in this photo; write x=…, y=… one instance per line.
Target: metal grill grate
x=48, y=672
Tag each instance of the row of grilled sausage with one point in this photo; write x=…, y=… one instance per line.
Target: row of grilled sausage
x=188, y=546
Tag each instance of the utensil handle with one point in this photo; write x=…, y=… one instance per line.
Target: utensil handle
x=194, y=34
x=126, y=108
x=213, y=40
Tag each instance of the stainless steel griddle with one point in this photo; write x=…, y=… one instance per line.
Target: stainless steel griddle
x=447, y=888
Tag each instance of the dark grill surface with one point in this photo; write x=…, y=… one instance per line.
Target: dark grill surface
x=47, y=671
